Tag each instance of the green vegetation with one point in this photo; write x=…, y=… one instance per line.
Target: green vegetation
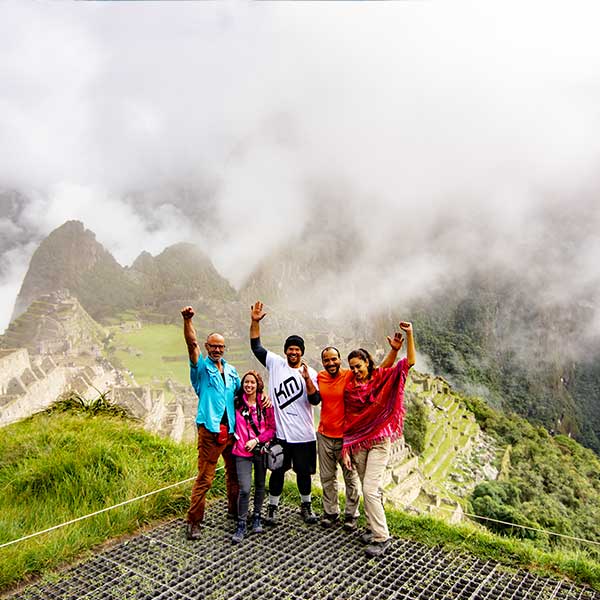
x=546, y=483
x=143, y=351
x=466, y=333
x=415, y=425
x=73, y=402
x=60, y=466
x=157, y=352
x=550, y=483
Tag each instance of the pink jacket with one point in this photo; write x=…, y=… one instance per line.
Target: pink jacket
x=245, y=432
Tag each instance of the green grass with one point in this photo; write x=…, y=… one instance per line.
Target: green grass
x=153, y=342
x=54, y=468
x=57, y=467
x=441, y=438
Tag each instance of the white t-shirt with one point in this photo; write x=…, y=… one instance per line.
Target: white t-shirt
x=293, y=412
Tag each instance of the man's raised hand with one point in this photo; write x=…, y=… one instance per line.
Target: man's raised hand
x=187, y=312
x=304, y=370
x=256, y=311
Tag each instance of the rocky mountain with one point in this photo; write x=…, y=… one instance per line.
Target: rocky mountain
x=490, y=334
x=180, y=274
x=487, y=333
x=54, y=324
x=71, y=258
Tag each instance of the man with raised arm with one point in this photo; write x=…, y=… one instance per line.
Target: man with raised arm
x=293, y=391
x=332, y=381
x=215, y=382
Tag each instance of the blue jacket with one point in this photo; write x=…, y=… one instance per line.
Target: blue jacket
x=214, y=395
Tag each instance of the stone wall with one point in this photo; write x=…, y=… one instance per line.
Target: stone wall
x=429, y=483
x=12, y=363
x=33, y=397
x=174, y=419
x=30, y=385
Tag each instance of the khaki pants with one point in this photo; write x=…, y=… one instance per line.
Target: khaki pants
x=370, y=465
x=330, y=455
x=209, y=451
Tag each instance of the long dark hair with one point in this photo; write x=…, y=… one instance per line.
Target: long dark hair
x=365, y=356
x=260, y=386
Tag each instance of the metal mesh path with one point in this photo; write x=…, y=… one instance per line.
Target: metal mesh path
x=292, y=561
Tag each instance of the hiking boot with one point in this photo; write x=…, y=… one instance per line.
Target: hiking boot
x=257, y=524
x=328, y=521
x=192, y=531
x=308, y=516
x=366, y=538
x=376, y=549
x=350, y=523
x=238, y=536
x=272, y=516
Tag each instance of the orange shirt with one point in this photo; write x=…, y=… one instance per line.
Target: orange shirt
x=331, y=389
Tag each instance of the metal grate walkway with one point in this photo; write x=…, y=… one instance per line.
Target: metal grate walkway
x=293, y=561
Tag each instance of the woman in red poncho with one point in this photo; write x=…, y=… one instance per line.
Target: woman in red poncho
x=373, y=419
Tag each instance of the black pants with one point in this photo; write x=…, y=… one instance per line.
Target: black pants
x=244, y=472
x=302, y=457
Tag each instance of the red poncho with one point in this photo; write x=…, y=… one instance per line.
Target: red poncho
x=375, y=411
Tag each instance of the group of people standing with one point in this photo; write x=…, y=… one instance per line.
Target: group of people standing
x=362, y=413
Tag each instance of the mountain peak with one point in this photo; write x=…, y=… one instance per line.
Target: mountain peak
x=71, y=258
x=64, y=260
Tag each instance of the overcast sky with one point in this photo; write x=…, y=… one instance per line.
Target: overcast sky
x=473, y=124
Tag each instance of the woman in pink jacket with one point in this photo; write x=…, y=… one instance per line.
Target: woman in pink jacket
x=254, y=426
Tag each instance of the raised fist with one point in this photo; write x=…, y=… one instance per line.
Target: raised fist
x=187, y=312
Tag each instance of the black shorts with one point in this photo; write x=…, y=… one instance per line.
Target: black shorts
x=300, y=456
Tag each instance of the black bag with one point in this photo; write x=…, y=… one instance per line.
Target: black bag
x=258, y=450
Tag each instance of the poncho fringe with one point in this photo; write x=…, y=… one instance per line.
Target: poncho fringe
x=375, y=411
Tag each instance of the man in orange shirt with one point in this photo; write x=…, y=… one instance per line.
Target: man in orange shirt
x=332, y=381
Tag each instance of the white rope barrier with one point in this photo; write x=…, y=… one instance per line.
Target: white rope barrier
x=563, y=535
x=168, y=487
x=98, y=512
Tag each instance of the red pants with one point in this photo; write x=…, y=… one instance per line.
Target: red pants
x=209, y=451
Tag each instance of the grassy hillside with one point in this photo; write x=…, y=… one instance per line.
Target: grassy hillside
x=54, y=468
x=546, y=482
x=489, y=340
x=152, y=352
x=158, y=352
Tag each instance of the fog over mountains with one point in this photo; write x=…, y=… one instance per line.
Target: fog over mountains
x=432, y=139
x=359, y=263
x=499, y=334
x=352, y=160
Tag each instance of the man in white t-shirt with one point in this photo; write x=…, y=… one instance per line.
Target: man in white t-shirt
x=293, y=391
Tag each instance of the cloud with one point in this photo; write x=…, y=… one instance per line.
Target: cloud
x=452, y=132
x=13, y=266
